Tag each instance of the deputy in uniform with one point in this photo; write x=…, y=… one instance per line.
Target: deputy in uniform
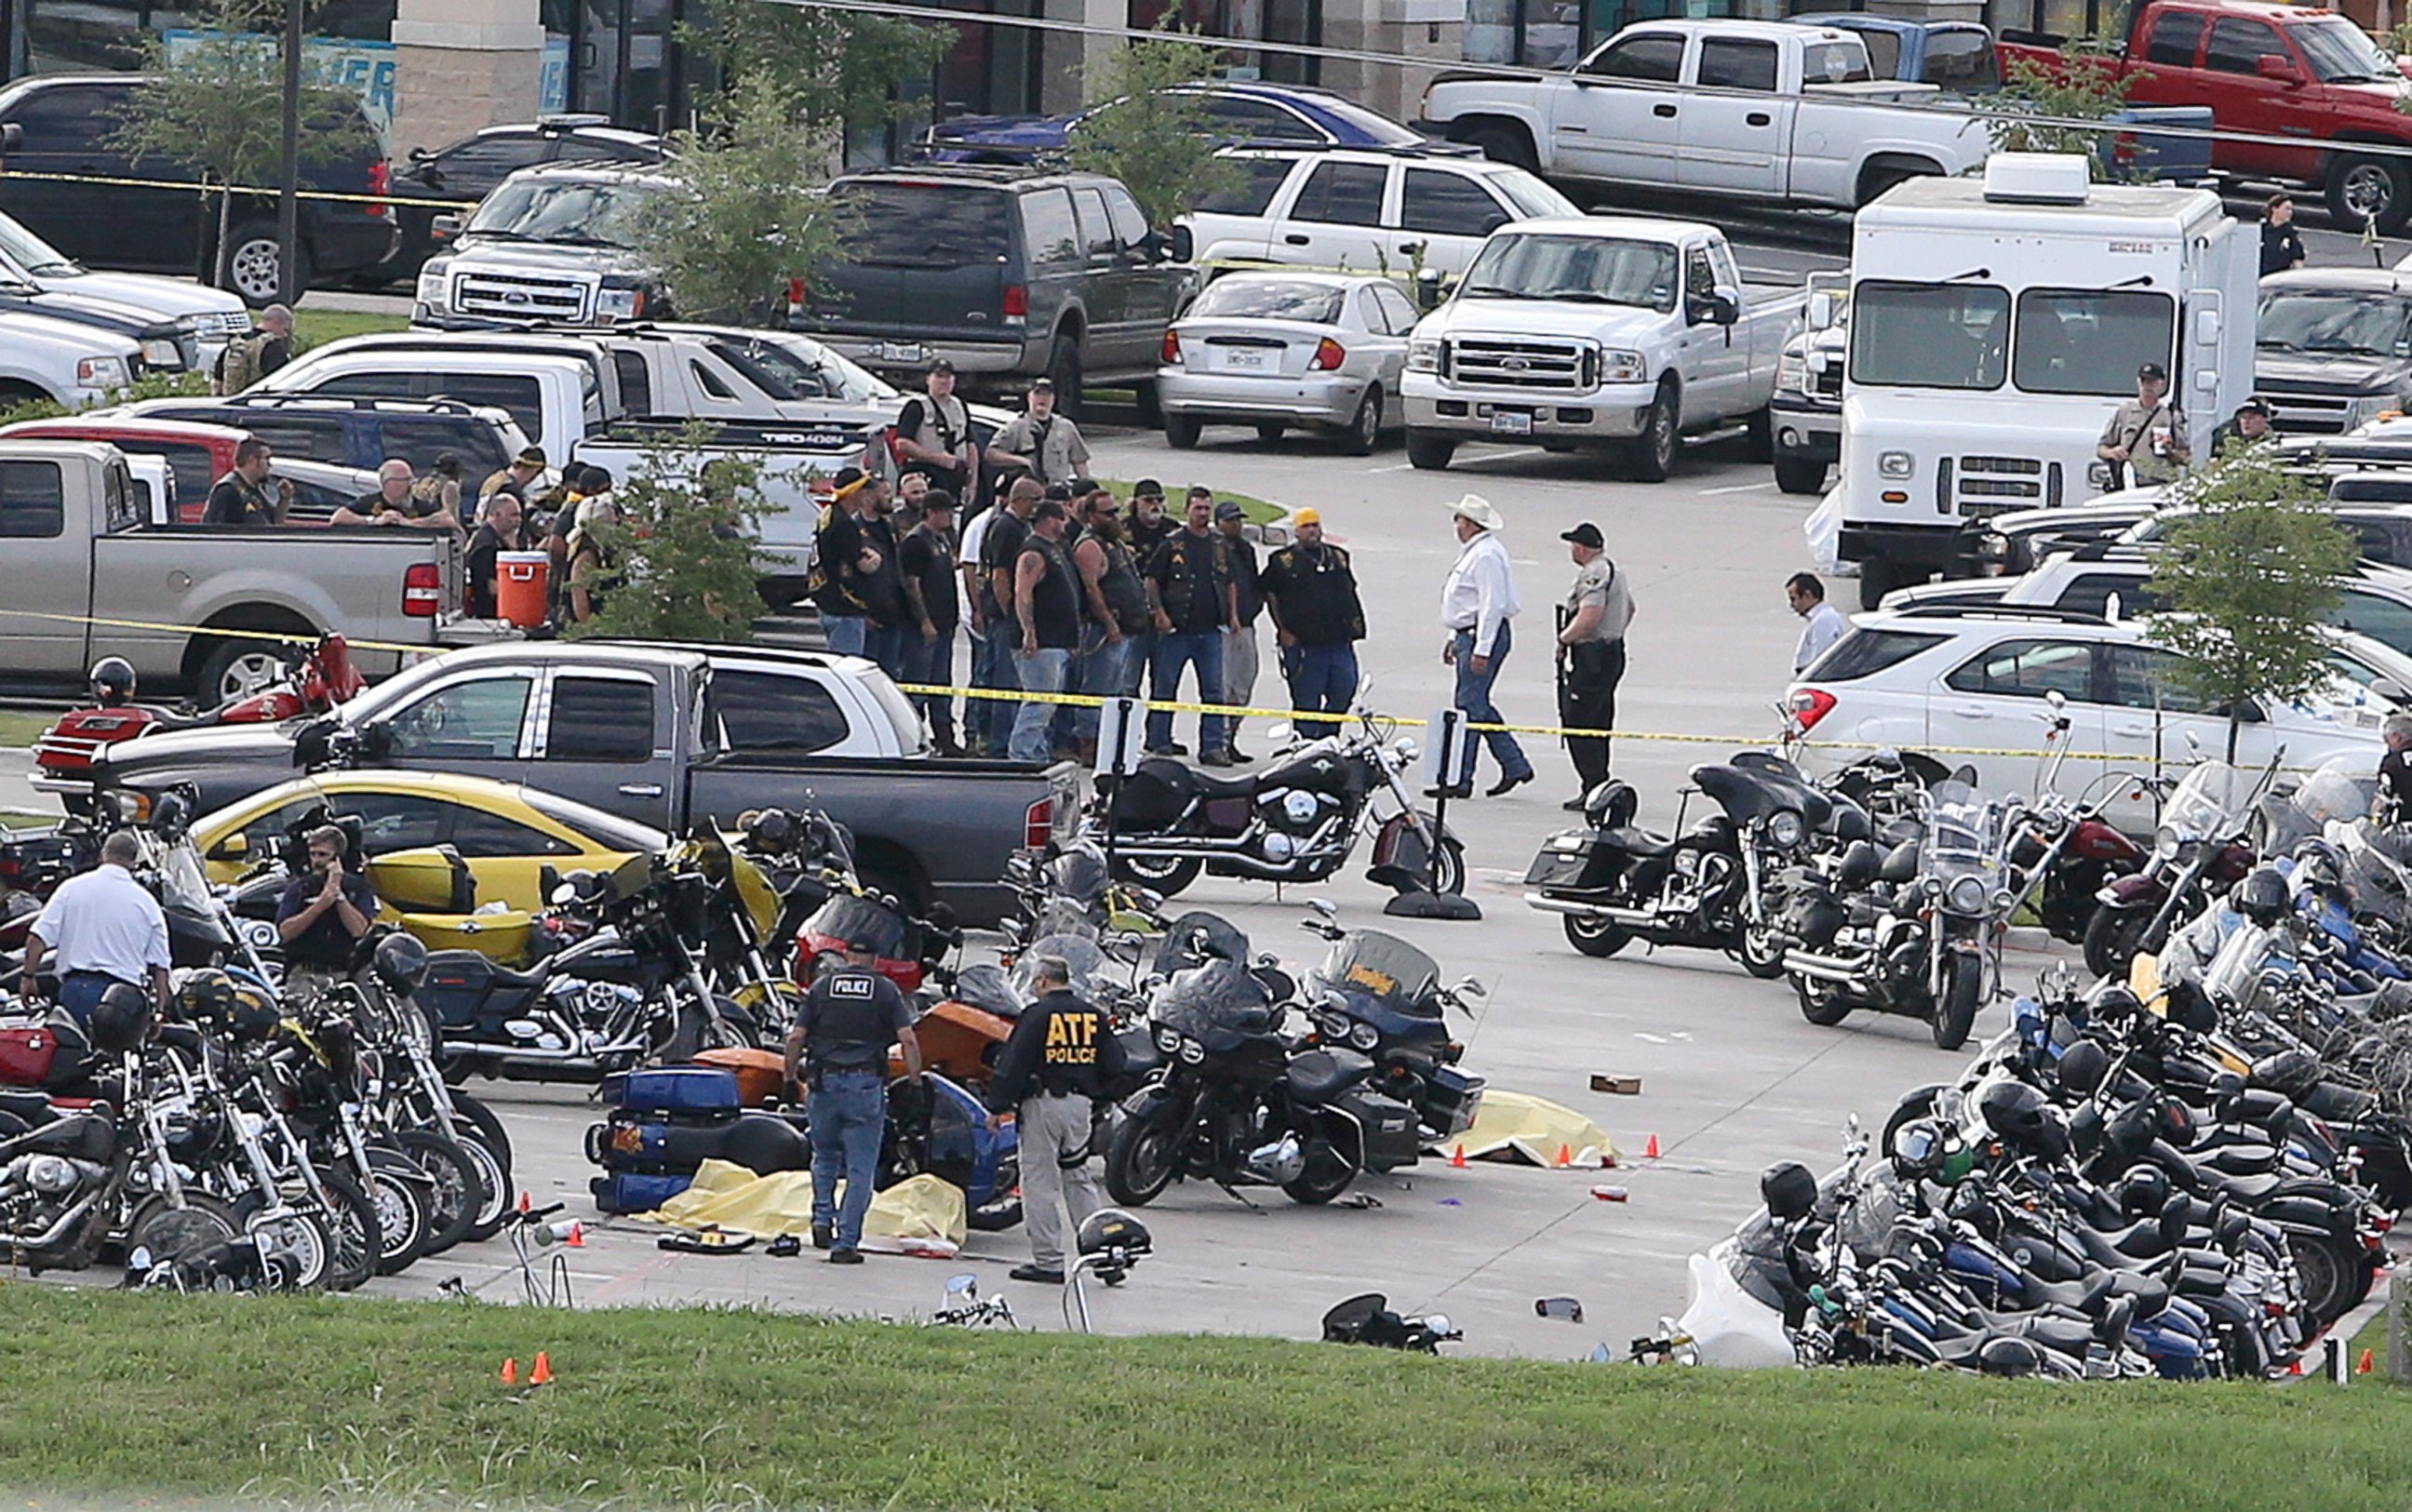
x=1053, y=1073
x=1591, y=654
x=840, y=1046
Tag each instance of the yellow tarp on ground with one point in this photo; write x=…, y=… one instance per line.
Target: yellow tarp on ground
x=919, y=1214
x=1512, y=1122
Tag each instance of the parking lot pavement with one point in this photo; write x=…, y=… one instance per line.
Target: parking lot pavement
x=1733, y=1077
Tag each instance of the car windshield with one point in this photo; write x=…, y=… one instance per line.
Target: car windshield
x=2376, y=322
x=1271, y=299
x=1587, y=269
x=2090, y=341
x=1531, y=198
x=31, y=253
x=921, y=224
x=2340, y=52
x=1930, y=335
x=568, y=212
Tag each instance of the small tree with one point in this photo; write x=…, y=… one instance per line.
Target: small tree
x=686, y=565
x=2083, y=83
x=216, y=105
x=748, y=213
x=1150, y=134
x=835, y=72
x=2245, y=578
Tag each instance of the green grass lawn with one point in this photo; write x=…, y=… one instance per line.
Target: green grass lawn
x=315, y=328
x=18, y=729
x=397, y=1403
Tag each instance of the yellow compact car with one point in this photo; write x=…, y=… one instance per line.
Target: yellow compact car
x=414, y=824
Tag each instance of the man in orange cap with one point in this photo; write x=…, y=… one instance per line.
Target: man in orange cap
x=1311, y=592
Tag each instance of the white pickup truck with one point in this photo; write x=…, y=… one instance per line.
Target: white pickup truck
x=1764, y=110
x=1592, y=330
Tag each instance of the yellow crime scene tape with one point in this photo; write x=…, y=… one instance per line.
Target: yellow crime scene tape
x=1091, y=701
x=200, y=187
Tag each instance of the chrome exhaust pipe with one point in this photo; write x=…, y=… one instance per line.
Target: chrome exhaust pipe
x=1823, y=968
x=1634, y=917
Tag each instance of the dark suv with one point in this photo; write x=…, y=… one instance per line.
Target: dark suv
x=1007, y=274
x=356, y=432
x=65, y=122
x=468, y=169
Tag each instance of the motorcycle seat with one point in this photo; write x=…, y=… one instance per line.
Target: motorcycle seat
x=32, y=1107
x=1634, y=840
x=1214, y=785
x=1320, y=1076
x=2248, y=1189
x=2061, y=1335
x=2239, y=1159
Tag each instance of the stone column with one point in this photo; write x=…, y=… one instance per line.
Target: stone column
x=459, y=65
x=1432, y=29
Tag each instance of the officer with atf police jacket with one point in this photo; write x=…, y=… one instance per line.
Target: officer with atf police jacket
x=1053, y=1071
x=850, y=1019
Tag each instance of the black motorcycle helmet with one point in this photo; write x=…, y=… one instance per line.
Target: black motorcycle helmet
x=207, y=997
x=2016, y=1113
x=1920, y=1147
x=1789, y=1190
x=1611, y=804
x=2263, y=896
x=2114, y=1001
x=2319, y=866
x=2010, y=1357
x=2082, y=1069
x=770, y=831
x=2144, y=1192
x=401, y=962
x=121, y=1019
x=111, y=682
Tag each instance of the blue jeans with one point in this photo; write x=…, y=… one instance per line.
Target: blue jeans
x=1046, y=672
x=933, y=662
x=848, y=1112
x=845, y=633
x=1322, y=680
x=885, y=644
x=1202, y=650
x=80, y=993
x=1474, y=697
x=1106, y=669
x=994, y=718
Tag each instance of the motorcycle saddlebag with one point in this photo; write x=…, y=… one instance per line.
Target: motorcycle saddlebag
x=676, y=1089
x=1455, y=1098
x=1576, y=861
x=1388, y=1125
x=27, y=1054
x=1155, y=797
x=629, y=1192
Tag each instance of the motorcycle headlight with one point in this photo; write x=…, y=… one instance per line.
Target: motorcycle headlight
x=1623, y=367
x=1168, y=1040
x=1786, y=830
x=1965, y=895
x=1363, y=1036
x=1424, y=356
x=1192, y=1052
x=2167, y=842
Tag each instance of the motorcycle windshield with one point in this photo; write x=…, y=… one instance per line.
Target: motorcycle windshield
x=2204, y=805
x=182, y=885
x=848, y=919
x=1079, y=873
x=987, y=989
x=1197, y=937
x=2341, y=791
x=2377, y=882
x=1212, y=1000
x=1959, y=829
x=1079, y=954
x=1065, y=916
x=1382, y=966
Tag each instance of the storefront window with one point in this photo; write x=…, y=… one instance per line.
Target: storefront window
x=1297, y=22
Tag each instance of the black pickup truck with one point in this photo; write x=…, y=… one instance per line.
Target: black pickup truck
x=664, y=734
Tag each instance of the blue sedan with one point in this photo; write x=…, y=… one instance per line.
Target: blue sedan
x=1241, y=112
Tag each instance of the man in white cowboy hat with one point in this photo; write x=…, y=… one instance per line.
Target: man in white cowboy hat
x=1476, y=608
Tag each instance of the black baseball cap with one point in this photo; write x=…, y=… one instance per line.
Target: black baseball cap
x=1585, y=534
x=2155, y=372
x=942, y=365
x=2253, y=406
x=1147, y=487
x=861, y=945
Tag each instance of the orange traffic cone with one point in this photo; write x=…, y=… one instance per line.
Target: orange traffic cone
x=2295, y=1367
x=1457, y=1158
x=543, y=1374
x=1565, y=1156
x=2364, y=1365
x=527, y=1204
x=1650, y=1150
x=510, y=1373
x=577, y=1240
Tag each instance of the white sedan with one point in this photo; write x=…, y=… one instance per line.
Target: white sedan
x=1283, y=348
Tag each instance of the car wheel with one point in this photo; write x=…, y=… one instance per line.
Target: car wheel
x=1758, y=430
x=237, y=669
x=2364, y=190
x=1430, y=452
x=1365, y=432
x=1795, y=473
x=1503, y=144
x=1654, y=451
x=1064, y=371
x=1151, y=408
x=1180, y=431
x=1878, y=578
x=249, y=264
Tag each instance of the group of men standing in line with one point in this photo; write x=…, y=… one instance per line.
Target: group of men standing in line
x=1064, y=589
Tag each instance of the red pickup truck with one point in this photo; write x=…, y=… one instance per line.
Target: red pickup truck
x=2311, y=82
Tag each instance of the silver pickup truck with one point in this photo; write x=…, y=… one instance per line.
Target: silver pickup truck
x=88, y=575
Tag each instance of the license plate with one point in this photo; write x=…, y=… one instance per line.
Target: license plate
x=904, y=351
x=1245, y=360
x=1510, y=422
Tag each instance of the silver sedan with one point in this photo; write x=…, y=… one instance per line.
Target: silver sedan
x=1283, y=348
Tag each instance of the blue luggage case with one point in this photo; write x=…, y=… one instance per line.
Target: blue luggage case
x=675, y=1089
x=631, y=1192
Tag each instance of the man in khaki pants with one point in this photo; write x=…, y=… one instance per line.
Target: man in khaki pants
x=1053, y=1072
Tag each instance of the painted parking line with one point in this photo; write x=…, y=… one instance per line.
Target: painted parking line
x=1738, y=488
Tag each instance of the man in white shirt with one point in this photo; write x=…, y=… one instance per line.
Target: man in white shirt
x=1475, y=606
x=105, y=928
x=1808, y=596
